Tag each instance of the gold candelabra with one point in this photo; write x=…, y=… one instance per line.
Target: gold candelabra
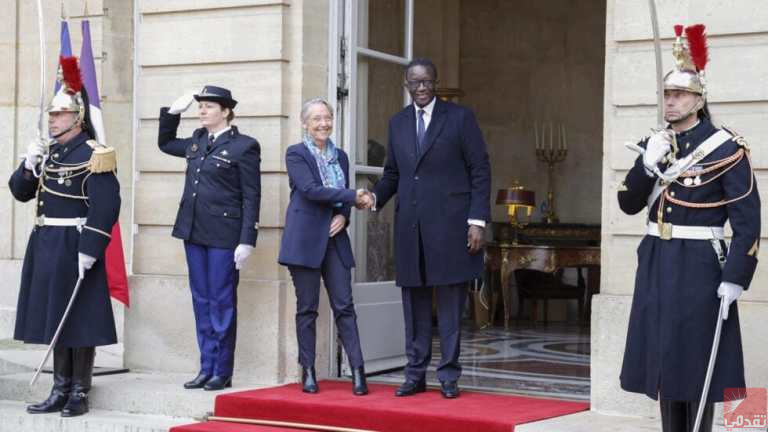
x=551, y=154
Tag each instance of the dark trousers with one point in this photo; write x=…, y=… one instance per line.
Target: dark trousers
x=417, y=311
x=213, y=280
x=680, y=416
x=338, y=283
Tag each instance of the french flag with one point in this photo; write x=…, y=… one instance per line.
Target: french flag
x=117, y=278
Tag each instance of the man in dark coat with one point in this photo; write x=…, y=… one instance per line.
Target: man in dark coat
x=693, y=178
x=78, y=202
x=438, y=166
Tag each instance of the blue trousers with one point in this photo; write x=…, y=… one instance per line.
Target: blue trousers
x=417, y=311
x=338, y=283
x=213, y=280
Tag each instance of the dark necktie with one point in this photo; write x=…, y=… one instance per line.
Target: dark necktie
x=211, y=139
x=420, y=129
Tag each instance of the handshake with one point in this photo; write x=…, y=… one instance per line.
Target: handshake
x=364, y=199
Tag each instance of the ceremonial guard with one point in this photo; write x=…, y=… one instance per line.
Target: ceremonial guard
x=77, y=194
x=218, y=219
x=693, y=177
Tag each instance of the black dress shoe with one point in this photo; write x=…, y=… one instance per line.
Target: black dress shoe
x=449, y=389
x=218, y=383
x=309, y=380
x=410, y=388
x=359, y=385
x=198, y=382
x=76, y=405
x=54, y=403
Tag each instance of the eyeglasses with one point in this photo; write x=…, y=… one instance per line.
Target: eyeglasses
x=413, y=85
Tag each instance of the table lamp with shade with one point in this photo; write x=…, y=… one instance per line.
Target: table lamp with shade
x=515, y=198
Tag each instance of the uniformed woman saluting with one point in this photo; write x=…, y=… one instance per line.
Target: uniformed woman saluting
x=218, y=219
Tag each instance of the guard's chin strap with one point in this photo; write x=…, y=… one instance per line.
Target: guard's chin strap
x=72, y=126
x=694, y=109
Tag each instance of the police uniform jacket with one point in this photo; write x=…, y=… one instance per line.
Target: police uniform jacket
x=675, y=304
x=308, y=217
x=438, y=189
x=50, y=268
x=222, y=191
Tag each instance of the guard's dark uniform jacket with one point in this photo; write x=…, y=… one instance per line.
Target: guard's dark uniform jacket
x=675, y=305
x=222, y=191
x=50, y=268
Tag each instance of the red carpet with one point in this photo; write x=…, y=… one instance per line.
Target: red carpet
x=381, y=411
x=214, y=426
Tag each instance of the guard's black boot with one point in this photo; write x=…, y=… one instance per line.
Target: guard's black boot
x=359, y=385
x=82, y=371
x=309, y=380
x=62, y=383
x=674, y=416
x=706, y=416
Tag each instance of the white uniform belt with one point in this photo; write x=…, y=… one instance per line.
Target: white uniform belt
x=669, y=231
x=52, y=221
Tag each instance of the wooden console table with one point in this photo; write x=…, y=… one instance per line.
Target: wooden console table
x=505, y=258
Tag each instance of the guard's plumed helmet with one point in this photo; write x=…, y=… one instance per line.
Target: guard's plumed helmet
x=69, y=98
x=690, y=61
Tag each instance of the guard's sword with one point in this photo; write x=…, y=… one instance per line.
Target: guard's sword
x=659, y=71
x=711, y=365
x=58, y=331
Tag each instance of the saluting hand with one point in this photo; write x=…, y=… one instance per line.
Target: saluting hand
x=475, y=239
x=337, y=224
x=182, y=104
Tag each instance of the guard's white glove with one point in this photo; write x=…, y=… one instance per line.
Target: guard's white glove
x=730, y=292
x=84, y=262
x=242, y=252
x=182, y=104
x=659, y=144
x=35, y=152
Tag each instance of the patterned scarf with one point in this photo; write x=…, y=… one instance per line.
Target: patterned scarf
x=328, y=164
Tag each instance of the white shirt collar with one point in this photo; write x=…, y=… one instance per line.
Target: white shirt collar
x=427, y=109
x=219, y=133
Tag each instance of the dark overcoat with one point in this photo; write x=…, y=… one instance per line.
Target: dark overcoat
x=222, y=188
x=308, y=217
x=675, y=304
x=50, y=268
x=438, y=189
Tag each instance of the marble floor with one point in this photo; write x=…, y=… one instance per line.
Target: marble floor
x=542, y=360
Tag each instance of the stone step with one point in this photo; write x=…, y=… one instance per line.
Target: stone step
x=144, y=393
x=13, y=418
x=590, y=421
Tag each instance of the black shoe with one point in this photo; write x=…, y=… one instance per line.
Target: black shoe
x=410, y=388
x=76, y=405
x=359, y=386
x=309, y=380
x=54, y=403
x=218, y=383
x=198, y=382
x=449, y=389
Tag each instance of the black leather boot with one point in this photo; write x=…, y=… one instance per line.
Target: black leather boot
x=309, y=380
x=82, y=372
x=680, y=416
x=706, y=416
x=359, y=385
x=62, y=383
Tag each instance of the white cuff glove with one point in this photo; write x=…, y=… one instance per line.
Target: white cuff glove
x=182, y=104
x=35, y=151
x=242, y=252
x=84, y=262
x=659, y=144
x=730, y=292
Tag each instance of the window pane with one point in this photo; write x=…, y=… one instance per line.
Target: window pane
x=380, y=96
x=382, y=25
x=374, y=239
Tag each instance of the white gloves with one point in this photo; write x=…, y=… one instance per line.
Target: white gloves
x=659, y=144
x=242, y=252
x=182, y=104
x=35, y=152
x=729, y=292
x=84, y=262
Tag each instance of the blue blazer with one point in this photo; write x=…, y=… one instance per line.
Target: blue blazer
x=222, y=187
x=437, y=191
x=308, y=217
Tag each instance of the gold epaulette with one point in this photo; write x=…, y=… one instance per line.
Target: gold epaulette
x=737, y=138
x=103, y=158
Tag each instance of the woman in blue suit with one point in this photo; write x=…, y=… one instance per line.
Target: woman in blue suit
x=315, y=242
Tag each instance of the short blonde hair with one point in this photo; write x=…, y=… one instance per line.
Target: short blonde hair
x=308, y=104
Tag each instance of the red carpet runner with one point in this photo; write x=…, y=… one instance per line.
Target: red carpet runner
x=381, y=411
